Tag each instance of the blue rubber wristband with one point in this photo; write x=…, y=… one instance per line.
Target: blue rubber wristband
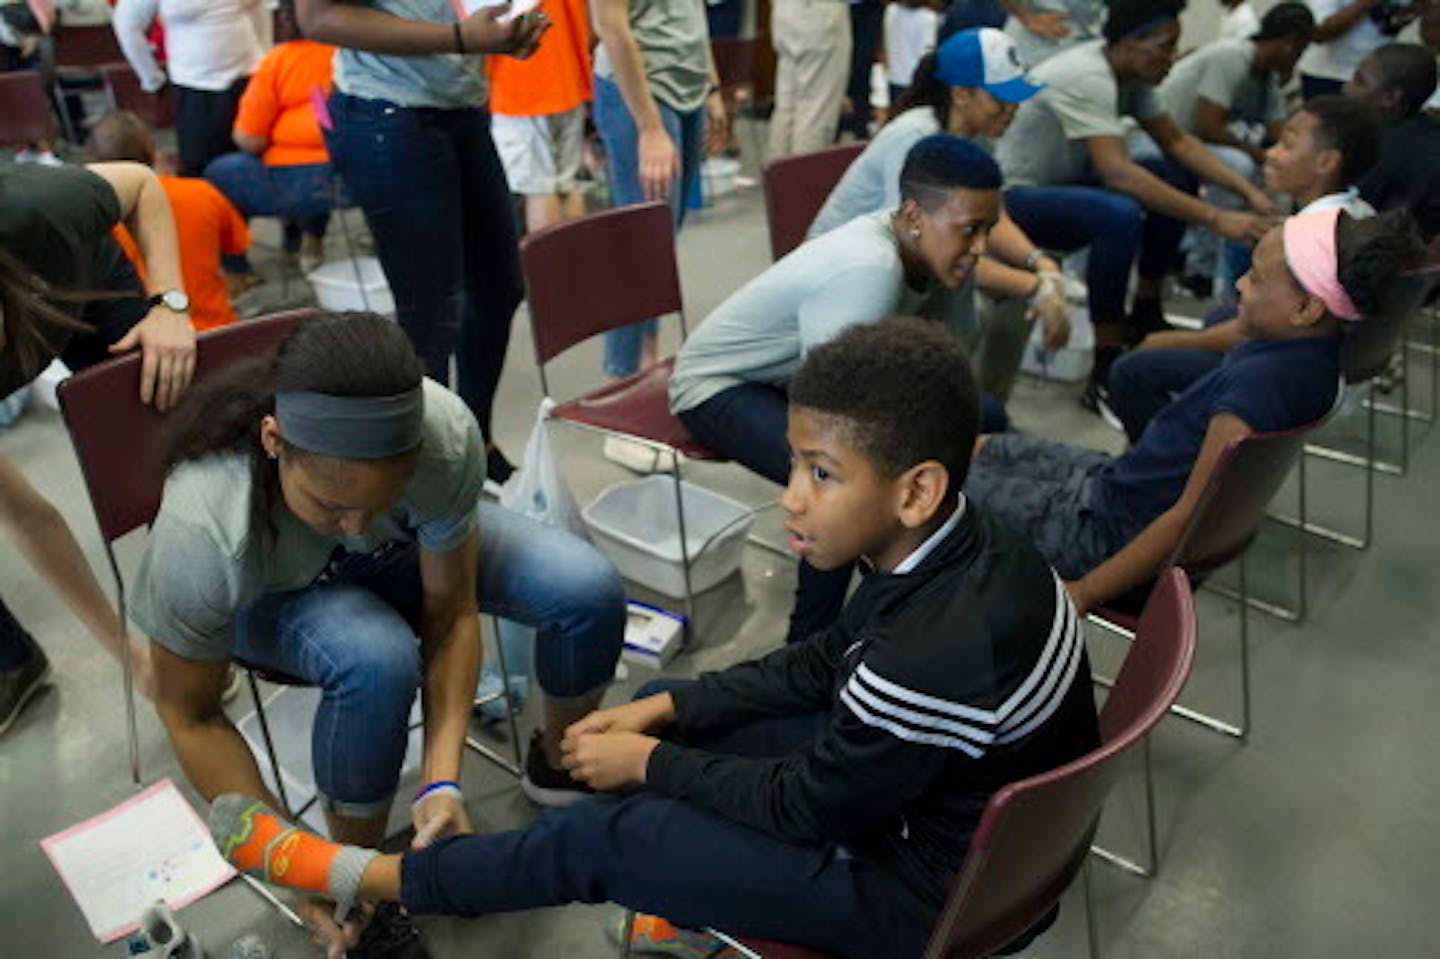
x=431, y=787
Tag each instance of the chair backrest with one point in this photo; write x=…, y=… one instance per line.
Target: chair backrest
x=1034, y=834
x=796, y=188
x=1247, y=475
x=1370, y=344
x=86, y=47
x=156, y=109
x=598, y=273
x=117, y=438
x=736, y=60
x=25, y=116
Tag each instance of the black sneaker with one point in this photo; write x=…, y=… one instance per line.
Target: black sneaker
x=390, y=934
x=498, y=469
x=18, y=685
x=546, y=785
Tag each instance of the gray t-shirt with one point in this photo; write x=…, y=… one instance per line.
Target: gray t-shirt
x=1045, y=146
x=761, y=333
x=205, y=563
x=1087, y=19
x=448, y=81
x=873, y=181
x=1221, y=73
x=674, y=43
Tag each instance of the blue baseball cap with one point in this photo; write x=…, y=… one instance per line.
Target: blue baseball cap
x=984, y=57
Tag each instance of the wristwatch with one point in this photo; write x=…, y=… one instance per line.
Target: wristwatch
x=175, y=300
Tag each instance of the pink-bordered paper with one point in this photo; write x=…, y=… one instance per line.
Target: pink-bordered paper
x=152, y=846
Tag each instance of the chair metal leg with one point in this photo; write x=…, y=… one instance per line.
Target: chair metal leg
x=127, y=670
x=1092, y=931
x=515, y=767
x=684, y=543
x=1151, y=866
x=269, y=746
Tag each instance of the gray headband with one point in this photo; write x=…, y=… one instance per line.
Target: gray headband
x=352, y=427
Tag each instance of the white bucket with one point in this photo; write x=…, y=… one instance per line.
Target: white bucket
x=352, y=284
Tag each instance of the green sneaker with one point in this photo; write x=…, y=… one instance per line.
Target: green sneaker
x=18, y=685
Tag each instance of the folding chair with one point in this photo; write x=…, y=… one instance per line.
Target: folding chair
x=1034, y=834
x=1231, y=508
x=25, y=114
x=156, y=109
x=117, y=441
x=796, y=188
x=599, y=273
x=80, y=55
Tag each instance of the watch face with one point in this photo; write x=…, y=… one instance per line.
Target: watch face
x=175, y=300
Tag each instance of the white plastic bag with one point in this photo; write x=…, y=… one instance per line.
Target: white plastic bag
x=537, y=490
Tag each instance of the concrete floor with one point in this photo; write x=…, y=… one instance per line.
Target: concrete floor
x=1313, y=840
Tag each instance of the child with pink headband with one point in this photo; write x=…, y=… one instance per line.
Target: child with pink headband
x=1107, y=523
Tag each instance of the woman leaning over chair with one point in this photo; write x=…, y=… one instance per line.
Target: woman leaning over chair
x=320, y=513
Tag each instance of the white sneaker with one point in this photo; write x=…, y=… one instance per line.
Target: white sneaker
x=633, y=455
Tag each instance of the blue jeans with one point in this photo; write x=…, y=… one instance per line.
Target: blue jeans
x=301, y=195
x=622, y=160
x=663, y=856
x=353, y=633
x=437, y=202
x=1070, y=218
x=747, y=423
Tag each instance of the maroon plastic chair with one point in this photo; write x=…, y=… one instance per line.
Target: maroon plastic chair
x=117, y=441
x=1226, y=520
x=81, y=53
x=598, y=273
x=796, y=188
x=1034, y=834
x=25, y=115
x=156, y=109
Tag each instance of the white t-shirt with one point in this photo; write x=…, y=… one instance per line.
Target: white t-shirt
x=909, y=35
x=1338, y=59
x=210, y=43
x=1239, y=22
x=872, y=182
x=763, y=331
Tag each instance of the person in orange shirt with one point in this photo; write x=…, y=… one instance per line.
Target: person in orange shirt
x=207, y=225
x=537, y=115
x=283, y=168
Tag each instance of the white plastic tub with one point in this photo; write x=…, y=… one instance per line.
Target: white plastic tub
x=1069, y=364
x=338, y=288
x=719, y=174
x=290, y=711
x=635, y=524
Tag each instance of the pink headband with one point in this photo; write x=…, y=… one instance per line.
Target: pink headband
x=1309, y=241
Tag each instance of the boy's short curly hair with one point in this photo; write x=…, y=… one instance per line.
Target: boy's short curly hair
x=903, y=390
x=1138, y=17
x=1347, y=125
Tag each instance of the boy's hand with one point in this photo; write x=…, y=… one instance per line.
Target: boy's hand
x=647, y=715
x=608, y=761
x=484, y=33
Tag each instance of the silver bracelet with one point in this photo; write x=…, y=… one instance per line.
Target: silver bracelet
x=1034, y=258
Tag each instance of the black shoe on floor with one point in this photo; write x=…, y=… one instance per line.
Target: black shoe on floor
x=498, y=469
x=1198, y=285
x=546, y=785
x=390, y=934
x=17, y=686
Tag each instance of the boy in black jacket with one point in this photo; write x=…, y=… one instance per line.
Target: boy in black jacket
x=825, y=794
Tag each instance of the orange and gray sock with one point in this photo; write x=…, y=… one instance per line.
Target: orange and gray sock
x=257, y=841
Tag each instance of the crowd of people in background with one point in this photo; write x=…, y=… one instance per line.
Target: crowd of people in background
x=320, y=515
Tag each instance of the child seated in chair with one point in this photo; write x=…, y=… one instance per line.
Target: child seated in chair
x=208, y=226
x=824, y=794
x=1108, y=524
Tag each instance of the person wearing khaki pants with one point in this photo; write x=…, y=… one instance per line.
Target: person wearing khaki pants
x=812, y=48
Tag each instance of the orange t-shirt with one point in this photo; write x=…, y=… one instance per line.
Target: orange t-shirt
x=278, y=102
x=558, y=77
x=206, y=226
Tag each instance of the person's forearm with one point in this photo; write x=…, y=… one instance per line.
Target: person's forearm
x=1004, y=281
x=452, y=667
x=367, y=28
x=1342, y=21
x=630, y=76
x=47, y=542
x=1135, y=563
x=145, y=210
x=1155, y=194
x=215, y=758
x=131, y=20
x=1009, y=244
x=1192, y=155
